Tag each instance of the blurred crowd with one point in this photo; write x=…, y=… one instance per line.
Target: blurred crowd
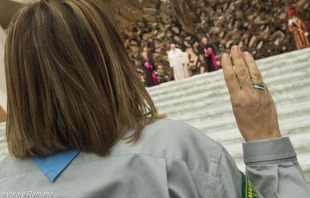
x=179, y=65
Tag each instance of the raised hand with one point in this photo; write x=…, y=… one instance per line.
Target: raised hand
x=252, y=103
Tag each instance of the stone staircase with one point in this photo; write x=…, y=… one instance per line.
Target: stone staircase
x=203, y=101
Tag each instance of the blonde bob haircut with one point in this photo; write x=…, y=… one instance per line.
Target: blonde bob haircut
x=70, y=82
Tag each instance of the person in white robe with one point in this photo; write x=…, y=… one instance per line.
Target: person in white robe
x=177, y=63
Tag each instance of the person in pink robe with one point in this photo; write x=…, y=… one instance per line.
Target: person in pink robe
x=149, y=70
x=209, y=56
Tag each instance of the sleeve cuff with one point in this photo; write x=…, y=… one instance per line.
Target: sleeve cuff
x=269, y=151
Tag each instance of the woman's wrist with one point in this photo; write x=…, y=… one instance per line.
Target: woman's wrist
x=264, y=136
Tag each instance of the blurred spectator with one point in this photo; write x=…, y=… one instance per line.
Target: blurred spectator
x=186, y=64
x=162, y=75
x=209, y=56
x=149, y=70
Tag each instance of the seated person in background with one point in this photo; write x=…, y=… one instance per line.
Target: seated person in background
x=81, y=124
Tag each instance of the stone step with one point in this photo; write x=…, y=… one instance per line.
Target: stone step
x=231, y=139
x=271, y=78
x=290, y=60
x=284, y=82
x=226, y=120
x=286, y=57
x=233, y=135
x=298, y=92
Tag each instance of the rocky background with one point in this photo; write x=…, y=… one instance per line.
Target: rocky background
x=259, y=27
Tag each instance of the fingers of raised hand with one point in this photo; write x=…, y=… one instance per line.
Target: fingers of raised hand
x=241, y=68
x=242, y=72
x=230, y=76
x=254, y=72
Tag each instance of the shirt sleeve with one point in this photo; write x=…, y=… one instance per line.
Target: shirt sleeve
x=272, y=170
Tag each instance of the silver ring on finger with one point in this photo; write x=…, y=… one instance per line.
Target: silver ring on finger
x=258, y=86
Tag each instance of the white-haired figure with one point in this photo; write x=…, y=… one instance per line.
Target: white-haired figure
x=177, y=62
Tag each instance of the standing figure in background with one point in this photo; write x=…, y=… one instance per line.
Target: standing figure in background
x=186, y=64
x=209, y=56
x=301, y=33
x=177, y=62
x=149, y=70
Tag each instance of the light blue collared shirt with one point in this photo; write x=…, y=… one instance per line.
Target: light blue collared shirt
x=171, y=159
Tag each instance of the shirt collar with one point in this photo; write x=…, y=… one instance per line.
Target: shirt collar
x=53, y=165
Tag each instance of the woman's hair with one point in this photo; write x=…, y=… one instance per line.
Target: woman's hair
x=70, y=81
